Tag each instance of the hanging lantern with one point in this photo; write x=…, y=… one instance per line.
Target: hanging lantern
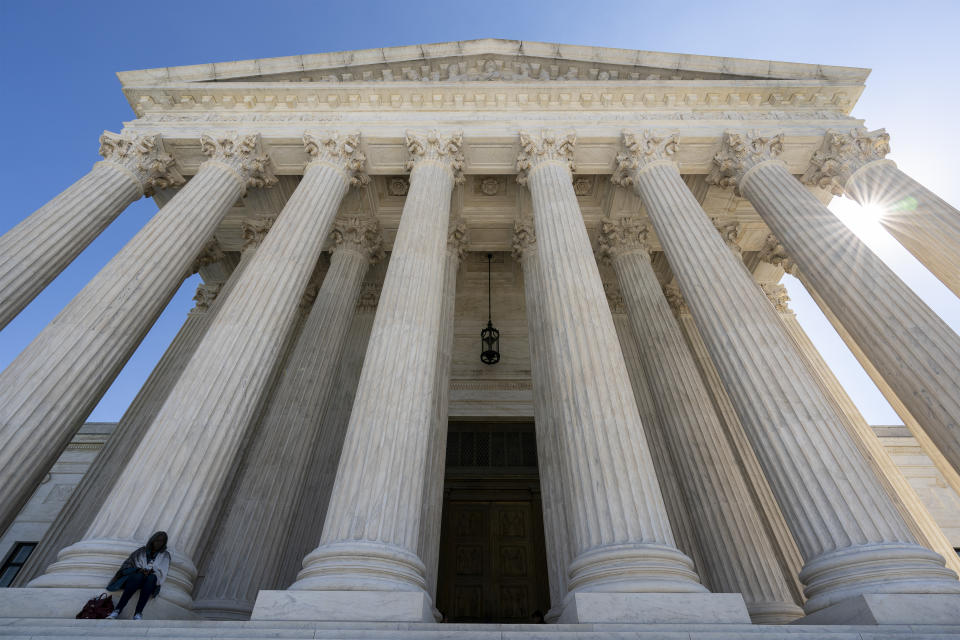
x=489, y=337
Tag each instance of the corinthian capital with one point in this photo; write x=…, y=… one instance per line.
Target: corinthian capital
x=445, y=148
x=548, y=147
x=210, y=254
x=741, y=152
x=774, y=253
x=359, y=234
x=730, y=232
x=622, y=236
x=458, y=239
x=842, y=153
x=676, y=300
x=524, y=239
x=614, y=298
x=241, y=153
x=254, y=231
x=143, y=158
x=206, y=294
x=341, y=151
x=777, y=295
x=643, y=150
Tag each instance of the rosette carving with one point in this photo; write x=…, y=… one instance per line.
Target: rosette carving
x=445, y=148
x=642, y=150
x=143, y=157
x=741, y=152
x=842, y=153
x=242, y=154
x=360, y=234
x=621, y=236
x=338, y=150
x=548, y=147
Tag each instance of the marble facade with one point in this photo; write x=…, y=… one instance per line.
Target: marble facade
x=697, y=462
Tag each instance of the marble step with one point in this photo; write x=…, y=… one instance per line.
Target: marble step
x=37, y=629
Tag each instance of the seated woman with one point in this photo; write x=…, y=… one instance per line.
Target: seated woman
x=143, y=570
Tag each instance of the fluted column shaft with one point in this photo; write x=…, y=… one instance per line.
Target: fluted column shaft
x=738, y=554
x=619, y=532
x=305, y=531
x=839, y=514
x=266, y=492
x=35, y=251
x=76, y=515
x=924, y=528
x=677, y=509
x=555, y=527
x=370, y=536
x=911, y=346
x=788, y=554
x=190, y=447
x=50, y=388
x=852, y=162
x=432, y=507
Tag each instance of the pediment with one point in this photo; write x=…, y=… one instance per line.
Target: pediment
x=490, y=60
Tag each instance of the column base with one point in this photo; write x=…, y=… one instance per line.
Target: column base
x=890, y=608
x=654, y=608
x=344, y=606
x=774, y=612
x=223, y=609
x=42, y=602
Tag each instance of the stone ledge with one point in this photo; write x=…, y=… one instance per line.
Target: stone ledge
x=347, y=606
x=655, y=608
x=890, y=608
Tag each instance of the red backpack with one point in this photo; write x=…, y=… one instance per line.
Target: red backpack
x=97, y=608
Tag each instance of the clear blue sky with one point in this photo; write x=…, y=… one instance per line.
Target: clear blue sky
x=60, y=92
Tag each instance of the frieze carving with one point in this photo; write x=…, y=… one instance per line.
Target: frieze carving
x=524, y=239
x=458, y=239
x=254, y=231
x=142, y=157
x=730, y=232
x=842, y=154
x=614, y=298
x=777, y=295
x=622, y=236
x=642, y=150
x=675, y=298
x=434, y=146
x=741, y=152
x=369, y=297
x=547, y=147
x=205, y=295
x=583, y=186
x=360, y=234
x=339, y=150
x=242, y=154
x=774, y=253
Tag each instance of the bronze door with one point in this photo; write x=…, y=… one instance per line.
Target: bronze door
x=492, y=563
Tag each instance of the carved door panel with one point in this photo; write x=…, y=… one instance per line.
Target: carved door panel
x=488, y=562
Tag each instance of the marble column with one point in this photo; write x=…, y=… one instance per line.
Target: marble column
x=304, y=534
x=51, y=387
x=76, y=515
x=788, y=554
x=458, y=238
x=676, y=502
x=924, y=528
x=739, y=555
x=262, y=502
x=366, y=566
x=555, y=528
x=853, y=162
x=620, y=536
x=911, y=346
x=853, y=540
x=191, y=446
x=35, y=251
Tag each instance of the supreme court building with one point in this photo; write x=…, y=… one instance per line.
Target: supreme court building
x=659, y=442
